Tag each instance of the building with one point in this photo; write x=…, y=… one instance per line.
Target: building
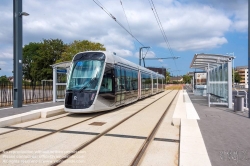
x=161, y=70
x=178, y=79
x=243, y=72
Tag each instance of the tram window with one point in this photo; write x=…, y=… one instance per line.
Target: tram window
x=147, y=81
x=142, y=81
x=106, y=85
x=154, y=81
x=117, y=78
x=128, y=79
x=123, y=74
x=135, y=80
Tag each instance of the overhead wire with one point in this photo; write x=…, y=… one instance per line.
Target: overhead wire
x=161, y=29
x=160, y=26
x=125, y=16
x=115, y=19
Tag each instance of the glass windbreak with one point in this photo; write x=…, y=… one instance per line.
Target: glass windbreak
x=85, y=75
x=218, y=83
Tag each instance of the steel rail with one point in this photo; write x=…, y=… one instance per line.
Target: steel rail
x=85, y=144
x=61, y=129
x=23, y=128
x=141, y=152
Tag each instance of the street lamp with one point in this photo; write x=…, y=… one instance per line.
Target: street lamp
x=17, y=52
x=23, y=14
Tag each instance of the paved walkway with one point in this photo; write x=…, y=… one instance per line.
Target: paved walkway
x=4, y=112
x=226, y=134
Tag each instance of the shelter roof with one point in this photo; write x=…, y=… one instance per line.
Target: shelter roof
x=201, y=61
x=65, y=64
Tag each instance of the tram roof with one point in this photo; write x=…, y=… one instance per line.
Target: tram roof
x=202, y=60
x=109, y=54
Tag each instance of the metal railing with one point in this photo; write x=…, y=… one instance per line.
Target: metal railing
x=32, y=93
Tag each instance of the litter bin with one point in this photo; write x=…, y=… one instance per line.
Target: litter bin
x=239, y=103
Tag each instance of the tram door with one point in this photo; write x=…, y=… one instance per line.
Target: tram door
x=119, y=85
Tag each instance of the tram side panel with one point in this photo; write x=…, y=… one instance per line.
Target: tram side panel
x=119, y=86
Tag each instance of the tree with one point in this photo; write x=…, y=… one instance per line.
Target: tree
x=167, y=76
x=80, y=46
x=4, y=79
x=30, y=51
x=51, y=50
x=187, y=79
x=237, y=77
x=39, y=56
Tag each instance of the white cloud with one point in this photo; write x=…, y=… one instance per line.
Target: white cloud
x=68, y=21
x=6, y=52
x=188, y=24
x=3, y=63
x=146, y=54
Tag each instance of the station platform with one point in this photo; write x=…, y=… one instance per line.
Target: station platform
x=9, y=111
x=225, y=133
x=191, y=134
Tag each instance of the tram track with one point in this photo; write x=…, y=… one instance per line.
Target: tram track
x=104, y=133
x=45, y=135
x=150, y=138
x=23, y=128
x=58, y=130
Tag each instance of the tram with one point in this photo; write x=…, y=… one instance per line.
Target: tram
x=101, y=81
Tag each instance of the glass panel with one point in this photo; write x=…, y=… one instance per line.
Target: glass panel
x=123, y=74
x=128, y=79
x=106, y=85
x=135, y=80
x=118, y=82
x=219, y=81
x=85, y=74
x=123, y=84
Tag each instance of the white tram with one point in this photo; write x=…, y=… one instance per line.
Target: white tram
x=100, y=81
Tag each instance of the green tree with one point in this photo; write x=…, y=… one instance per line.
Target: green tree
x=167, y=76
x=30, y=51
x=80, y=46
x=237, y=77
x=50, y=51
x=39, y=56
x=4, y=79
x=187, y=79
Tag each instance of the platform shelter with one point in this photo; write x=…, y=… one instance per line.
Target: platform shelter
x=219, y=77
x=60, y=71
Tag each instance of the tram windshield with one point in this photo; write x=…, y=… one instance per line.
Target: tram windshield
x=85, y=75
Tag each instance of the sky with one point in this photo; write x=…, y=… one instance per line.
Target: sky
x=191, y=26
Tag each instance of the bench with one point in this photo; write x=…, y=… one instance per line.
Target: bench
x=220, y=100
